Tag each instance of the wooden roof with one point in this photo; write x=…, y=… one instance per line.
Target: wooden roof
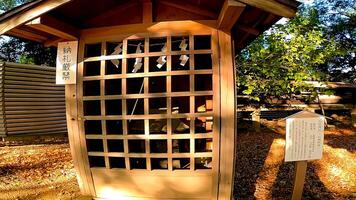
x=50, y=21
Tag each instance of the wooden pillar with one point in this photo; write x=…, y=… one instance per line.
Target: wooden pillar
x=299, y=178
x=256, y=120
x=228, y=116
x=353, y=116
x=78, y=151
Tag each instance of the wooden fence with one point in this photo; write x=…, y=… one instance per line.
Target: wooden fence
x=30, y=101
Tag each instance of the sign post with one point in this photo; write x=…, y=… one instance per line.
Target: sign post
x=304, y=141
x=66, y=64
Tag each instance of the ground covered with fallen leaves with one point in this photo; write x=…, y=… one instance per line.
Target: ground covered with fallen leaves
x=261, y=172
x=43, y=169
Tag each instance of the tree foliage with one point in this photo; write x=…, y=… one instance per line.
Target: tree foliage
x=23, y=51
x=6, y=5
x=313, y=46
x=338, y=17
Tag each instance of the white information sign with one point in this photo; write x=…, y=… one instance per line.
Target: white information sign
x=66, y=66
x=304, y=136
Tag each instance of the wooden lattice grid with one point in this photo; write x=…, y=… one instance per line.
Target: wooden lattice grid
x=101, y=77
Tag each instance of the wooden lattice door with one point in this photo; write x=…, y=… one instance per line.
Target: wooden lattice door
x=150, y=117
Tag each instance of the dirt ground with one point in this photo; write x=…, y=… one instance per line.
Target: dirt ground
x=44, y=169
x=40, y=171
x=261, y=172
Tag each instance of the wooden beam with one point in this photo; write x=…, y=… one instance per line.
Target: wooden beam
x=229, y=14
x=271, y=6
x=187, y=6
x=147, y=11
x=119, y=9
x=52, y=42
x=250, y=30
x=242, y=39
x=158, y=28
x=20, y=33
x=54, y=27
x=30, y=14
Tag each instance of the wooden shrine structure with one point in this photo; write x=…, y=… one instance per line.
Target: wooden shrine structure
x=152, y=115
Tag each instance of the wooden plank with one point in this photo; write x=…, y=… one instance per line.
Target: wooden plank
x=148, y=54
x=52, y=42
x=132, y=75
x=250, y=30
x=228, y=116
x=147, y=16
x=25, y=91
x=34, y=123
x=104, y=16
x=32, y=71
x=299, y=177
x=191, y=106
x=169, y=106
x=2, y=106
x=34, y=103
x=34, y=116
x=158, y=184
x=44, y=118
x=54, y=27
x=229, y=14
x=35, y=108
x=38, y=130
x=216, y=110
x=27, y=15
x=16, y=113
x=32, y=83
x=24, y=99
x=47, y=80
x=271, y=6
x=54, y=132
x=161, y=29
x=150, y=95
x=353, y=116
x=30, y=74
x=75, y=124
x=31, y=87
x=30, y=67
x=173, y=136
x=187, y=6
x=35, y=127
x=31, y=95
x=18, y=32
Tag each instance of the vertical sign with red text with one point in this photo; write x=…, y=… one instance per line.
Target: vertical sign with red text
x=66, y=67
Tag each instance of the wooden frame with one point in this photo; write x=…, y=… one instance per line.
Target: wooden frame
x=229, y=14
x=87, y=181
x=271, y=6
x=55, y=27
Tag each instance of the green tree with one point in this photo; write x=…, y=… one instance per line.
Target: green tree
x=279, y=62
x=338, y=18
x=317, y=45
x=6, y=5
x=23, y=51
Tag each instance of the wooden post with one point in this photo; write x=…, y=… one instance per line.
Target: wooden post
x=299, y=178
x=256, y=120
x=228, y=115
x=353, y=116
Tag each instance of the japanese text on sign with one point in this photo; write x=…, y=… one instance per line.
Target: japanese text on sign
x=66, y=62
x=304, y=139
